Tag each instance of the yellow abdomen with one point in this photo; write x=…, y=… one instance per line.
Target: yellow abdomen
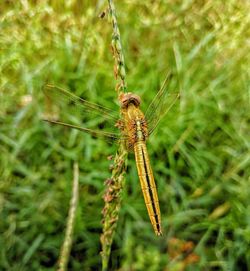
x=148, y=185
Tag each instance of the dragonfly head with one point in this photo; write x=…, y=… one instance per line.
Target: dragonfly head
x=129, y=98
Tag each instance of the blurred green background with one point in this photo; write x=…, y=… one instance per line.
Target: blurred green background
x=200, y=152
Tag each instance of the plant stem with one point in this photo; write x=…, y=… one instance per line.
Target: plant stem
x=119, y=66
x=114, y=185
x=66, y=247
x=112, y=199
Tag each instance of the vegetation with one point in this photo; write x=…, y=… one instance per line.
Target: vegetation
x=200, y=152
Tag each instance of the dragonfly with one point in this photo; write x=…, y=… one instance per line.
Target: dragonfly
x=131, y=126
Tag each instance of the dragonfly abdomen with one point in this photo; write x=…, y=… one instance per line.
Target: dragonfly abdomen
x=148, y=186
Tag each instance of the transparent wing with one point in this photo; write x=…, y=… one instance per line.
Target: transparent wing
x=95, y=133
x=75, y=112
x=160, y=105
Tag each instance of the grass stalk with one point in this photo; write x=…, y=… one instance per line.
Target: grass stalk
x=119, y=65
x=66, y=247
x=114, y=185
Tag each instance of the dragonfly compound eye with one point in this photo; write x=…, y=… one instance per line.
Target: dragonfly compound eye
x=128, y=98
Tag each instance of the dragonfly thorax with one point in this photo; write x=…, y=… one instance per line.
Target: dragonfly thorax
x=134, y=124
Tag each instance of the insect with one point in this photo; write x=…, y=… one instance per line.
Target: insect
x=134, y=130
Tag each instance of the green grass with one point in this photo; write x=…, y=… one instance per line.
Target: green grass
x=200, y=152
